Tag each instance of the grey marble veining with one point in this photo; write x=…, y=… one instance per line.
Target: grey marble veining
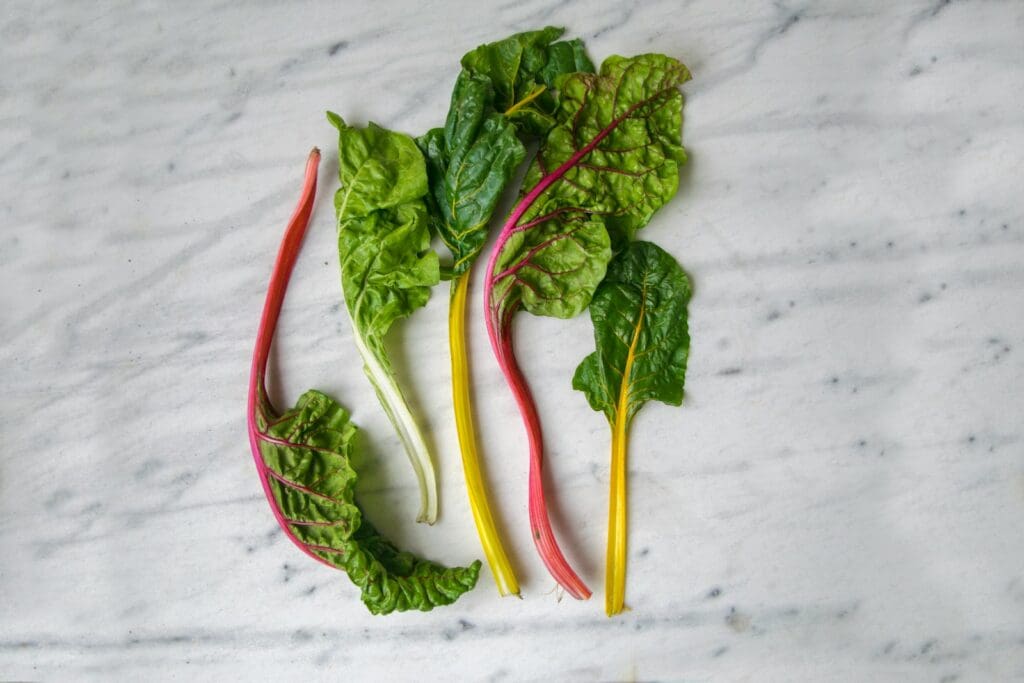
x=841, y=497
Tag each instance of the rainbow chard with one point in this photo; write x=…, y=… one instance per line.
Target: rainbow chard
x=304, y=461
x=640, y=330
x=387, y=266
x=503, y=92
x=611, y=160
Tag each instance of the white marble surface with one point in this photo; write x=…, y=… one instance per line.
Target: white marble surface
x=840, y=499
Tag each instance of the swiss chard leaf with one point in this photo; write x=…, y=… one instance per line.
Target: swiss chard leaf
x=523, y=70
x=304, y=463
x=307, y=454
x=387, y=266
x=602, y=172
x=472, y=159
x=640, y=329
x=469, y=163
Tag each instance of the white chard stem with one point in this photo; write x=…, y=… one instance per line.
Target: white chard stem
x=394, y=404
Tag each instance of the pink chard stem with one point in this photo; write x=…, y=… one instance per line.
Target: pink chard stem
x=287, y=254
x=540, y=525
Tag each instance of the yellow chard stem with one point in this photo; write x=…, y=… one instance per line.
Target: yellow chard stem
x=501, y=568
x=615, y=568
x=615, y=563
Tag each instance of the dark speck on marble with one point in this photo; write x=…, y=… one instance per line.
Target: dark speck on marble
x=335, y=48
x=737, y=621
x=58, y=498
x=147, y=468
x=714, y=592
x=790, y=22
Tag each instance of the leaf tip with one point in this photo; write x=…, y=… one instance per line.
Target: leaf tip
x=336, y=120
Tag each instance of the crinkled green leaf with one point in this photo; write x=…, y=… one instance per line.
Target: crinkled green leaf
x=387, y=266
x=622, y=130
x=308, y=453
x=640, y=329
x=379, y=169
x=523, y=70
x=553, y=268
x=633, y=171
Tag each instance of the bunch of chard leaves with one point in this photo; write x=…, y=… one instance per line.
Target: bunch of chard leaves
x=640, y=330
x=608, y=159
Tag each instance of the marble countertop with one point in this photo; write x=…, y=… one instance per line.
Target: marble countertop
x=841, y=498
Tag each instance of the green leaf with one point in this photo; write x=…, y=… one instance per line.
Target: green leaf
x=640, y=329
x=387, y=266
x=523, y=70
x=605, y=168
x=379, y=169
x=469, y=163
x=634, y=170
x=503, y=91
x=553, y=268
x=308, y=455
